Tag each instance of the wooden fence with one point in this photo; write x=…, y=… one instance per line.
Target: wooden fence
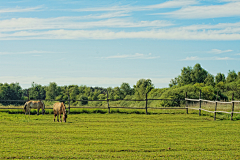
x=146, y=104
x=215, y=109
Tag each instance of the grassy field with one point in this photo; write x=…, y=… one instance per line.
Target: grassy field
x=118, y=136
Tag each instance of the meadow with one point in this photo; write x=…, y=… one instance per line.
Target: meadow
x=118, y=136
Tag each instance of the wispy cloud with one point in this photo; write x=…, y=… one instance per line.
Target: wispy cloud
x=195, y=58
x=168, y=4
x=27, y=52
x=218, y=51
x=168, y=34
x=133, y=56
x=18, y=9
x=73, y=23
x=212, y=11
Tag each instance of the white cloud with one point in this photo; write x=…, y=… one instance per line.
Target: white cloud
x=218, y=51
x=134, y=56
x=211, y=11
x=168, y=4
x=18, y=9
x=195, y=58
x=168, y=34
x=72, y=23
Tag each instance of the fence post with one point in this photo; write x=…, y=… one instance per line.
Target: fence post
x=215, y=113
x=232, y=106
x=186, y=103
x=200, y=103
x=146, y=104
x=108, y=103
x=68, y=103
x=28, y=93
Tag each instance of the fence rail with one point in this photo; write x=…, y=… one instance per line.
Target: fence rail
x=146, y=104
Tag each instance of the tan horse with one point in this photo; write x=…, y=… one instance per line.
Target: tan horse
x=34, y=104
x=58, y=109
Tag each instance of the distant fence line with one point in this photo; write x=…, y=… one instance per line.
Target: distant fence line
x=146, y=105
x=216, y=102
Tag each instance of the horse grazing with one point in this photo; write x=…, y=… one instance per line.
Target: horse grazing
x=34, y=104
x=58, y=109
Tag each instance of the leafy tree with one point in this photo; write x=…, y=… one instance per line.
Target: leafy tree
x=52, y=91
x=11, y=91
x=198, y=74
x=220, y=77
x=186, y=75
x=232, y=76
x=174, y=81
x=37, y=92
x=142, y=87
x=125, y=89
x=85, y=98
x=221, y=86
x=118, y=93
x=209, y=81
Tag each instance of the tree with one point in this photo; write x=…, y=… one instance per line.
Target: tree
x=125, y=89
x=142, y=87
x=198, y=74
x=232, y=76
x=37, y=92
x=186, y=75
x=209, y=81
x=52, y=91
x=220, y=77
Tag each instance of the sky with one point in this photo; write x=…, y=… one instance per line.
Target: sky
x=105, y=43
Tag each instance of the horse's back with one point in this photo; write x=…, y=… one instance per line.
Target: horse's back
x=57, y=107
x=35, y=104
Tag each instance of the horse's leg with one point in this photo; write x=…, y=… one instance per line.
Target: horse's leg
x=54, y=117
x=60, y=118
x=38, y=111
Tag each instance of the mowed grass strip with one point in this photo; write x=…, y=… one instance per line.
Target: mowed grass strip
x=118, y=136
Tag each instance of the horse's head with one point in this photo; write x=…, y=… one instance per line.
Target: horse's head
x=24, y=108
x=43, y=111
x=65, y=117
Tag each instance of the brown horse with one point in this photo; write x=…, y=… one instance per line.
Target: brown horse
x=58, y=109
x=34, y=104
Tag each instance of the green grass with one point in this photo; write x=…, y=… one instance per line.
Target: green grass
x=118, y=136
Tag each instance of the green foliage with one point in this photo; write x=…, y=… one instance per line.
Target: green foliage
x=37, y=92
x=232, y=76
x=209, y=81
x=52, y=91
x=142, y=87
x=11, y=91
x=220, y=77
x=83, y=99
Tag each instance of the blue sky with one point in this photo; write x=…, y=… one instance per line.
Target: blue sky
x=105, y=43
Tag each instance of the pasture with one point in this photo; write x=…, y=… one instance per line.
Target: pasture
x=118, y=136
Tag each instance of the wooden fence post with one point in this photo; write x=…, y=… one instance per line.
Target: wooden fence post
x=200, y=103
x=215, y=113
x=108, y=103
x=232, y=106
x=28, y=93
x=146, y=104
x=186, y=103
x=68, y=103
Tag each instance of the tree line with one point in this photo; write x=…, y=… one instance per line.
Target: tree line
x=191, y=80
